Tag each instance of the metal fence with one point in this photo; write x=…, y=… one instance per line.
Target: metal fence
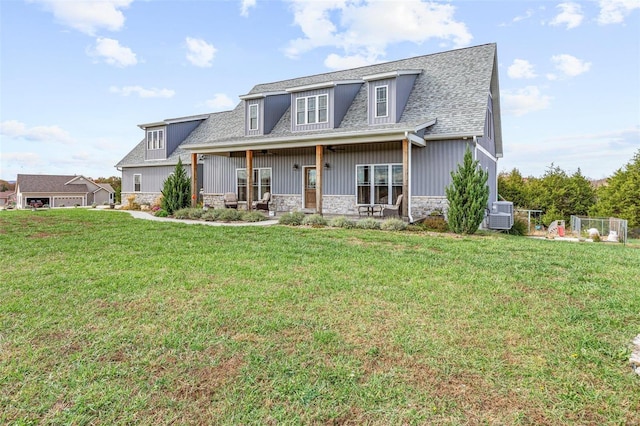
x=609, y=228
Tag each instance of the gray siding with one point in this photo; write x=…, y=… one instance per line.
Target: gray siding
x=152, y=178
x=489, y=166
x=433, y=164
x=317, y=126
x=177, y=133
x=260, y=129
x=391, y=101
x=344, y=95
x=339, y=179
x=274, y=107
x=155, y=154
x=403, y=90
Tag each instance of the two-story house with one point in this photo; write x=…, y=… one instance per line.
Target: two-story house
x=334, y=142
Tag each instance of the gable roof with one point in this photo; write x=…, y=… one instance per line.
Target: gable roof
x=53, y=183
x=448, y=100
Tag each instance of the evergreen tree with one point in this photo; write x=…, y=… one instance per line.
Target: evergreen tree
x=176, y=190
x=511, y=187
x=467, y=195
x=621, y=196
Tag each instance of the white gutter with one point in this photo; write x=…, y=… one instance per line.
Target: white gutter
x=408, y=135
x=484, y=151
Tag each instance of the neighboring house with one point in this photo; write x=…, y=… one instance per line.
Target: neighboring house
x=334, y=142
x=59, y=191
x=7, y=197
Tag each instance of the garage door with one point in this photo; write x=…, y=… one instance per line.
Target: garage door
x=67, y=201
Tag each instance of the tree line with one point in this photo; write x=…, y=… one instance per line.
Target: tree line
x=560, y=195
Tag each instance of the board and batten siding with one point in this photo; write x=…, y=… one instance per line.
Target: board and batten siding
x=155, y=154
x=247, y=108
x=433, y=164
x=152, y=178
x=391, y=101
x=344, y=95
x=316, y=126
x=178, y=132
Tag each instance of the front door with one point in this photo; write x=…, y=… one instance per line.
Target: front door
x=310, y=188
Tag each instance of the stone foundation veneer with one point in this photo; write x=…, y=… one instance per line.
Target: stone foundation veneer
x=422, y=206
x=141, y=197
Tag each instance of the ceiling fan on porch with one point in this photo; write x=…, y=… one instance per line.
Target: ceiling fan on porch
x=334, y=149
x=267, y=152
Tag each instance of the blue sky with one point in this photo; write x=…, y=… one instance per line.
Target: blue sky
x=77, y=77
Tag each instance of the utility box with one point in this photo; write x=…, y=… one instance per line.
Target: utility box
x=501, y=215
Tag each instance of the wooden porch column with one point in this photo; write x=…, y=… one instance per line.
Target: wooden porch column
x=249, y=179
x=319, y=178
x=194, y=179
x=405, y=178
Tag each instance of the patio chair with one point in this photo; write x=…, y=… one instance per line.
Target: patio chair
x=264, y=203
x=393, y=211
x=230, y=200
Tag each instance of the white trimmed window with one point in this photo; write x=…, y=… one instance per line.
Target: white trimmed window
x=312, y=109
x=261, y=183
x=382, y=101
x=155, y=139
x=378, y=183
x=137, y=182
x=253, y=117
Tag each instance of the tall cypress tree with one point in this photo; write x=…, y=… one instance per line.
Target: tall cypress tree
x=467, y=195
x=176, y=190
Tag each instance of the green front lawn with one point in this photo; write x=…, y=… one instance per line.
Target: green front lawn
x=105, y=319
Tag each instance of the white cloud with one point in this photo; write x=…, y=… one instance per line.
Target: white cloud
x=88, y=16
x=220, y=102
x=364, y=29
x=570, y=15
x=614, y=11
x=521, y=68
x=569, y=65
x=524, y=101
x=200, y=53
x=245, y=6
x=18, y=130
x=338, y=62
x=113, y=53
x=528, y=14
x=142, y=92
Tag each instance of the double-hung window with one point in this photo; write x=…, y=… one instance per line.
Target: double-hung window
x=253, y=117
x=261, y=183
x=137, y=182
x=378, y=183
x=381, y=101
x=155, y=139
x=312, y=109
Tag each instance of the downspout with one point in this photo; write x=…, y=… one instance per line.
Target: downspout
x=406, y=135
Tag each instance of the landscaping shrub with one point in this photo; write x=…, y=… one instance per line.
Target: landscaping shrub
x=393, y=224
x=161, y=213
x=467, y=196
x=195, y=213
x=253, y=216
x=314, y=220
x=435, y=223
x=520, y=227
x=292, y=219
x=210, y=215
x=229, y=215
x=368, y=223
x=342, y=222
x=176, y=190
x=182, y=214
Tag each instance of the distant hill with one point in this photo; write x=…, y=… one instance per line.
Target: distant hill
x=7, y=185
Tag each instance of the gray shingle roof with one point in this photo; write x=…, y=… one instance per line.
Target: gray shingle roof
x=453, y=88
x=50, y=184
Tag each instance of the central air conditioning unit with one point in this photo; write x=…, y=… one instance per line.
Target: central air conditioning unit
x=501, y=215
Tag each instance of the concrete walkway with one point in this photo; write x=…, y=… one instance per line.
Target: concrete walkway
x=148, y=216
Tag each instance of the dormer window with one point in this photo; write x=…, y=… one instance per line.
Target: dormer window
x=312, y=109
x=382, y=101
x=155, y=139
x=253, y=117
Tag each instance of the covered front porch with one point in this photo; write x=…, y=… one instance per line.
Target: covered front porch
x=333, y=178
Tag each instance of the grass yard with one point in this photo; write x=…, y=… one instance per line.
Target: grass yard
x=105, y=319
